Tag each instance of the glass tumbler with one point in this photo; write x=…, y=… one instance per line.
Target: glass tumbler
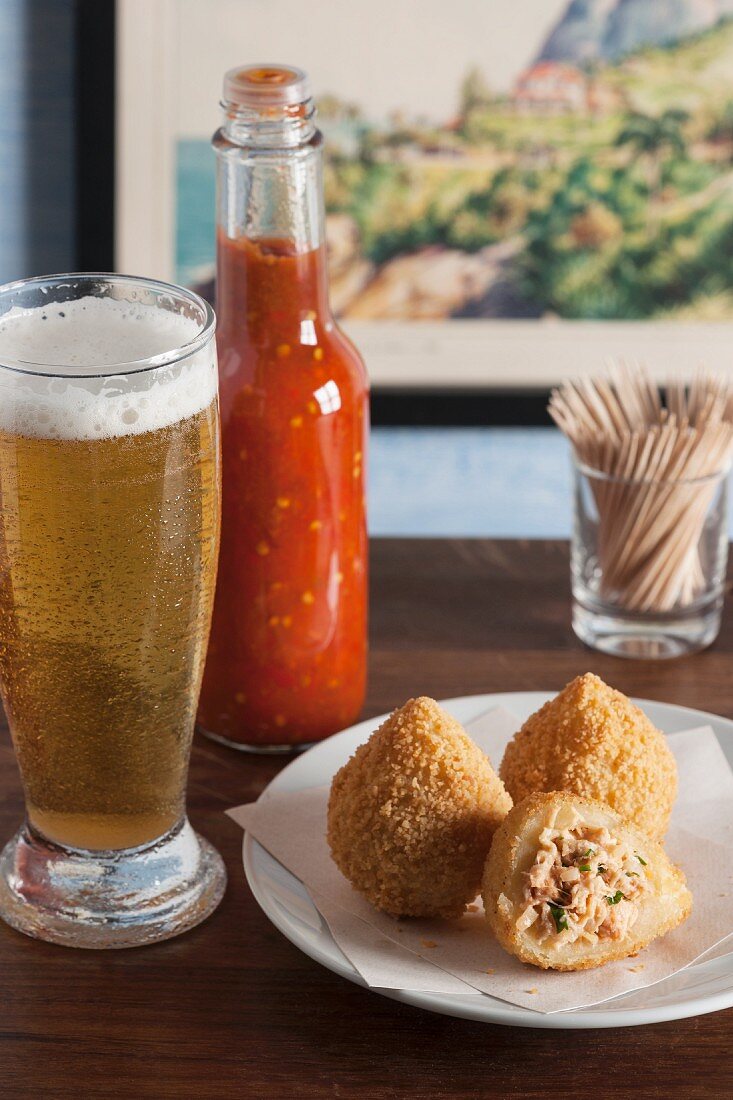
x=648, y=562
x=109, y=528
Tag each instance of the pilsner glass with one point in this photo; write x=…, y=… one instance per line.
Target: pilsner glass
x=109, y=528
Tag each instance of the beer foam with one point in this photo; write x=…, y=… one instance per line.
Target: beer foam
x=89, y=336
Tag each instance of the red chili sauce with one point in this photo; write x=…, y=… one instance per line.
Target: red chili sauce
x=287, y=657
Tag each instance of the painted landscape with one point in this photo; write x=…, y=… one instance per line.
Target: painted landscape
x=598, y=186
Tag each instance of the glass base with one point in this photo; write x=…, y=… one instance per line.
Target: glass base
x=646, y=636
x=263, y=750
x=109, y=899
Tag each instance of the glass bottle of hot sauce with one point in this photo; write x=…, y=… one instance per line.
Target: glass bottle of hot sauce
x=287, y=659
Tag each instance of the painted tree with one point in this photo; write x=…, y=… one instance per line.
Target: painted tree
x=475, y=92
x=654, y=138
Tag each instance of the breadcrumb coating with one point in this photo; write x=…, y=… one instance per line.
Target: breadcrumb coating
x=664, y=903
x=412, y=813
x=592, y=740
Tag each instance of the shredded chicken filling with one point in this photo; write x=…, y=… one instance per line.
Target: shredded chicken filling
x=585, y=884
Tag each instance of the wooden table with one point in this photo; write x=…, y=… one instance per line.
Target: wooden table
x=233, y=1009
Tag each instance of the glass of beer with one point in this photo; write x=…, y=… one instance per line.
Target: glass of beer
x=109, y=531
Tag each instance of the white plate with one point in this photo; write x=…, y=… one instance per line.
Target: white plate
x=704, y=987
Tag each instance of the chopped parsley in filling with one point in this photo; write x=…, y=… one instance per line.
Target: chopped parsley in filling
x=584, y=884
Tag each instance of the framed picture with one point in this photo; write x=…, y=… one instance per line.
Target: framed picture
x=514, y=192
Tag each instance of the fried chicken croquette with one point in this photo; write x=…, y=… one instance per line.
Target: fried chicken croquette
x=412, y=813
x=568, y=885
x=592, y=740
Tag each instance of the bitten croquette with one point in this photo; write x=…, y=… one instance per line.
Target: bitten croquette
x=592, y=741
x=569, y=885
x=412, y=813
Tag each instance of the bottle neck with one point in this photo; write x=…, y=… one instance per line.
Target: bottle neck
x=270, y=178
x=268, y=128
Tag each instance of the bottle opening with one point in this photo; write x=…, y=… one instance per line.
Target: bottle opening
x=266, y=86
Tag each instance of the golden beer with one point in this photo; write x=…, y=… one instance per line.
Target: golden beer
x=107, y=566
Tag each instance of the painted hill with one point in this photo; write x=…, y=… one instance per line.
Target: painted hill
x=593, y=30
x=693, y=74
x=579, y=33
